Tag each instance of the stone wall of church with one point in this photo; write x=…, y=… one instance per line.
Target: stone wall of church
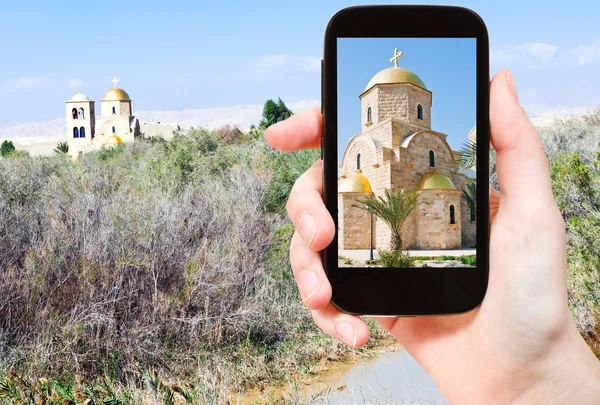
x=367, y=159
x=433, y=227
x=122, y=108
x=369, y=99
x=416, y=159
x=353, y=223
x=469, y=231
x=400, y=101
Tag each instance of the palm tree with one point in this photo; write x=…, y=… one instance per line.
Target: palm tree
x=393, y=209
x=470, y=195
x=467, y=159
x=62, y=147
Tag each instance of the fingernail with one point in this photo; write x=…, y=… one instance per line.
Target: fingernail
x=309, y=280
x=307, y=226
x=511, y=84
x=347, y=333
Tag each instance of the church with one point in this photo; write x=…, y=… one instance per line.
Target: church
x=115, y=124
x=397, y=150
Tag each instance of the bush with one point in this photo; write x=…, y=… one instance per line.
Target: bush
x=396, y=259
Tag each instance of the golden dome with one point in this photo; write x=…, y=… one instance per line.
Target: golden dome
x=395, y=75
x=114, y=140
x=116, y=94
x=435, y=181
x=354, y=183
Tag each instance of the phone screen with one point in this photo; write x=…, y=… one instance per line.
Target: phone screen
x=407, y=111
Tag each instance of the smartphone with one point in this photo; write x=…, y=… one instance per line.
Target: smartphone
x=405, y=149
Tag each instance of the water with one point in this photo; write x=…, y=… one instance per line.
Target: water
x=390, y=378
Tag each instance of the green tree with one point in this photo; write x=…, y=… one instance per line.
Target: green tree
x=7, y=148
x=470, y=195
x=393, y=209
x=62, y=147
x=274, y=112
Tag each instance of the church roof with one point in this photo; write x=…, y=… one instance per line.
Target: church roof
x=79, y=97
x=435, y=181
x=354, y=183
x=116, y=94
x=395, y=75
x=114, y=140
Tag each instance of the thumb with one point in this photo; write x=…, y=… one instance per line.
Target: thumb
x=521, y=164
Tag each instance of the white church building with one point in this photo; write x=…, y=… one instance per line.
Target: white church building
x=115, y=124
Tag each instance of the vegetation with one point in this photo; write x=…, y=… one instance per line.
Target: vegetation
x=62, y=147
x=161, y=260
x=274, y=112
x=396, y=258
x=6, y=148
x=573, y=150
x=392, y=208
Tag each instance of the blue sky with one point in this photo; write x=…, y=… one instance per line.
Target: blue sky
x=199, y=54
x=447, y=66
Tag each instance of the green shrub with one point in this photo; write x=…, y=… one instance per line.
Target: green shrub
x=396, y=259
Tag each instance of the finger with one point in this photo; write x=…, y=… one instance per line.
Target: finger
x=307, y=210
x=301, y=131
x=347, y=328
x=311, y=279
x=521, y=163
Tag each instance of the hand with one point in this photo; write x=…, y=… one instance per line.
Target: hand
x=521, y=344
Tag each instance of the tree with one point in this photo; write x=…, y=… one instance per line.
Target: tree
x=7, y=148
x=393, y=209
x=274, y=112
x=470, y=195
x=62, y=147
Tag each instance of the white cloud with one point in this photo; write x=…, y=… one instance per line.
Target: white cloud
x=75, y=83
x=532, y=54
x=28, y=81
x=585, y=54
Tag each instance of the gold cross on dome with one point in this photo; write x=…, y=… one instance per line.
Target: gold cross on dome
x=115, y=81
x=395, y=58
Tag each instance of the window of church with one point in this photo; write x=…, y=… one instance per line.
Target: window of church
x=419, y=111
x=431, y=159
x=452, y=219
x=369, y=114
x=114, y=130
x=75, y=132
x=82, y=132
x=358, y=162
x=114, y=111
x=81, y=114
x=473, y=218
x=74, y=112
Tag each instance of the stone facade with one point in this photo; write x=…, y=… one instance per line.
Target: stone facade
x=396, y=150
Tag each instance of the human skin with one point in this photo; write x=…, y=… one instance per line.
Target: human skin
x=520, y=346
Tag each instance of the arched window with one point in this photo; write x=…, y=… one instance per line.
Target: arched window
x=81, y=114
x=114, y=110
x=114, y=130
x=419, y=111
x=358, y=162
x=82, y=132
x=369, y=114
x=75, y=132
x=473, y=216
x=74, y=112
x=431, y=159
x=452, y=218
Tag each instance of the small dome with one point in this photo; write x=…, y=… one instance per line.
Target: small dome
x=395, y=75
x=79, y=97
x=435, y=181
x=116, y=94
x=473, y=135
x=114, y=140
x=354, y=183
